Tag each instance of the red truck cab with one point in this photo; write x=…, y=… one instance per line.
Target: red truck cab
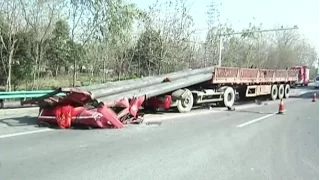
x=303, y=75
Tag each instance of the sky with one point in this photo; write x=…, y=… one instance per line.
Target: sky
x=271, y=13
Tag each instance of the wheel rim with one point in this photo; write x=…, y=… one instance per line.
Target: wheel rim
x=274, y=92
x=186, y=101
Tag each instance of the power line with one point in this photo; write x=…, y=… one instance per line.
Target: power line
x=261, y=31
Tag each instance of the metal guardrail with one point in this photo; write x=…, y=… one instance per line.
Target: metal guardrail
x=13, y=99
x=22, y=94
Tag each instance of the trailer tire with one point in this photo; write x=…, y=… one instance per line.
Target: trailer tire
x=287, y=91
x=281, y=91
x=228, y=97
x=186, y=104
x=274, y=92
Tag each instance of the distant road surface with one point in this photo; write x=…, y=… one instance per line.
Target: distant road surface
x=252, y=143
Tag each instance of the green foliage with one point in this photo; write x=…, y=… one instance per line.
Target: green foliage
x=22, y=65
x=147, y=51
x=59, y=47
x=113, y=40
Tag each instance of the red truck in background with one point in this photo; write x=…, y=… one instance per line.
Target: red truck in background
x=303, y=75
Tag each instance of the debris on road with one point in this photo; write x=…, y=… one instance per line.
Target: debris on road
x=154, y=123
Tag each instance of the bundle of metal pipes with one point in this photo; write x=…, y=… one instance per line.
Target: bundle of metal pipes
x=115, y=88
x=149, y=86
x=158, y=89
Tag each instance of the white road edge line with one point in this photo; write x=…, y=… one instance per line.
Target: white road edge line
x=255, y=120
x=24, y=133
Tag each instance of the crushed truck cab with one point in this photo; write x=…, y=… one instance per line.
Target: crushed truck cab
x=79, y=108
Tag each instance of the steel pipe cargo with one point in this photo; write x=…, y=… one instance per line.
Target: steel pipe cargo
x=127, y=82
x=150, y=82
x=158, y=89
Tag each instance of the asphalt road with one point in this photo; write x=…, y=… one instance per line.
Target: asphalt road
x=250, y=143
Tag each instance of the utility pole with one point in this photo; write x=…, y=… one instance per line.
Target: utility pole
x=318, y=66
x=265, y=30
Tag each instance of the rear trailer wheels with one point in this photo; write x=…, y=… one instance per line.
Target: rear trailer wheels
x=281, y=91
x=287, y=91
x=228, y=97
x=274, y=92
x=185, y=104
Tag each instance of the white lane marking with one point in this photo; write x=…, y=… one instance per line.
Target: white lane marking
x=256, y=120
x=24, y=133
x=310, y=164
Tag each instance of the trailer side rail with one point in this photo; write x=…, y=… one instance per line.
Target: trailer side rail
x=233, y=75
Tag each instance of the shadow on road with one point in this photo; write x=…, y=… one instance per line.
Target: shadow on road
x=19, y=121
x=307, y=94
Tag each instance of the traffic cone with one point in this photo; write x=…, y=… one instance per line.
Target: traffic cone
x=281, y=107
x=314, y=97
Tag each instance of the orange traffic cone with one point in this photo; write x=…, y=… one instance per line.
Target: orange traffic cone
x=281, y=107
x=314, y=97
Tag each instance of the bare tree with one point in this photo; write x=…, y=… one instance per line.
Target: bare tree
x=40, y=17
x=9, y=27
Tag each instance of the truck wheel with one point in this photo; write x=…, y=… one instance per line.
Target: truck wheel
x=228, y=97
x=281, y=91
x=274, y=92
x=186, y=104
x=287, y=91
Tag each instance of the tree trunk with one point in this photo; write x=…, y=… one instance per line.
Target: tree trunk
x=8, y=85
x=35, y=68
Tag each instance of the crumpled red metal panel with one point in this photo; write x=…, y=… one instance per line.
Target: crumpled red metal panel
x=130, y=108
x=110, y=116
x=135, y=105
x=80, y=116
x=63, y=116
